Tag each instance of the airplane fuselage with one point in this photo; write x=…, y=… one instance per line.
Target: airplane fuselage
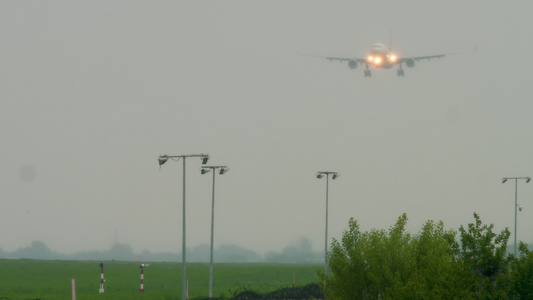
x=381, y=57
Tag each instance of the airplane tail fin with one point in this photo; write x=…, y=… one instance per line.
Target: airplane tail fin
x=390, y=41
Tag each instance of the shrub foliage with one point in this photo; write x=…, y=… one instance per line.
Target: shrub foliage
x=433, y=264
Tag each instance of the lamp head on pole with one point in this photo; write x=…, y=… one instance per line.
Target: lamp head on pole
x=205, y=158
x=206, y=169
x=162, y=159
x=321, y=174
x=527, y=179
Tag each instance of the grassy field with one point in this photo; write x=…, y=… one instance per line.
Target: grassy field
x=42, y=279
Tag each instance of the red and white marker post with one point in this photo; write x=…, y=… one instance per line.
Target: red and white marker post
x=142, y=278
x=102, y=277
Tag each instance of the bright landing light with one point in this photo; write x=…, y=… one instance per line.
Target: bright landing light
x=392, y=58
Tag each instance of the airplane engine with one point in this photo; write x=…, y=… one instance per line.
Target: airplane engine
x=410, y=62
x=352, y=64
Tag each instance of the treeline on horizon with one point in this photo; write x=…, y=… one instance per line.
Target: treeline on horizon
x=301, y=252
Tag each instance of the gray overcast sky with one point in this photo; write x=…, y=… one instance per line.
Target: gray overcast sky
x=92, y=92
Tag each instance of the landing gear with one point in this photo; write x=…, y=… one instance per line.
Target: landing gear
x=400, y=72
x=367, y=72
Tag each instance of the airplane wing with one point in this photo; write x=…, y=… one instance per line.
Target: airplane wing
x=343, y=59
x=407, y=60
x=332, y=58
x=439, y=56
x=410, y=61
x=387, y=61
x=428, y=57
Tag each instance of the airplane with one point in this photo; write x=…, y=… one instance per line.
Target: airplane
x=382, y=57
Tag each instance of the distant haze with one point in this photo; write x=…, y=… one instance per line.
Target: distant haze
x=225, y=253
x=93, y=92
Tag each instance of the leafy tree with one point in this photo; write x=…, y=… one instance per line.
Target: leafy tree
x=391, y=257
x=484, y=253
x=366, y=265
x=522, y=274
x=394, y=264
x=437, y=274
x=348, y=266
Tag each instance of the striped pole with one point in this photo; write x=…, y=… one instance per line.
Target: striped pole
x=142, y=278
x=102, y=277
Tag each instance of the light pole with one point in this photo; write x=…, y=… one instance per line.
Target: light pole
x=527, y=179
x=163, y=159
x=334, y=176
x=222, y=170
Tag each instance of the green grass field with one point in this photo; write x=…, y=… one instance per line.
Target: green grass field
x=43, y=279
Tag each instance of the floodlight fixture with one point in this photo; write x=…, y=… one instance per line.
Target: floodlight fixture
x=162, y=159
x=221, y=169
x=321, y=174
x=504, y=180
x=205, y=159
x=528, y=179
